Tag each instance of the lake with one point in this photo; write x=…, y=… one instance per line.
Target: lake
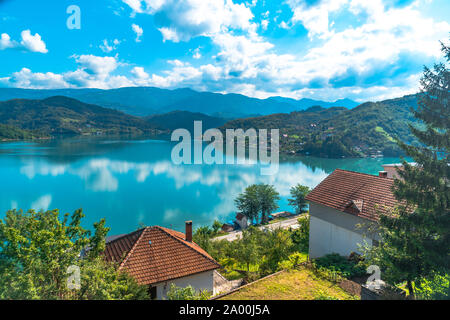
x=134, y=182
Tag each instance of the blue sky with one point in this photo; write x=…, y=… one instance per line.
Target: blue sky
x=322, y=49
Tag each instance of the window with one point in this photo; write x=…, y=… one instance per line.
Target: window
x=152, y=292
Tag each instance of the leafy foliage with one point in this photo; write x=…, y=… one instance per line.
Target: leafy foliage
x=187, y=293
x=340, y=265
x=300, y=236
x=294, y=260
x=258, y=199
x=37, y=248
x=298, y=194
x=416, y=235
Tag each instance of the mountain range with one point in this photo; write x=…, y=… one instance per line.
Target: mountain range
x=327, y=131
x=144, y=101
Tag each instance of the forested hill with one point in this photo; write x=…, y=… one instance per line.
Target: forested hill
x=65, y=116
x=367, y=130
x=184, y=119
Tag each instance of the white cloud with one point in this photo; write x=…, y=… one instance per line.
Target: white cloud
x=314, y=17
x=33, y=43
x=197, y=54
x=29, y=42
x=92, y=72
x=139, y=73
x=138, y=30
x=25, y=78
x=106, y=47
x=191, y=18
x=264, y=24
x=101, y=66
x=248, y=63
x=5, y=42
x=283, y=25
x=169, y=34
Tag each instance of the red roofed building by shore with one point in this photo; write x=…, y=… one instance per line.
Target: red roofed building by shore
x=340, y=205
x=157, y=257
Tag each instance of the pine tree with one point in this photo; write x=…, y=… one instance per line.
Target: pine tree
x=416, y=237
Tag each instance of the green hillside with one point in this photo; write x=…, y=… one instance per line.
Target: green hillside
x=12, y=133
x=66, y=116
x=367, y=130
x=184, y=119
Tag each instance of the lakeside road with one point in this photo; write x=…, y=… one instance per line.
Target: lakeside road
x=284, y=224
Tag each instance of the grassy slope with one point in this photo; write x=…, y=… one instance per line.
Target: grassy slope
x=290, y=285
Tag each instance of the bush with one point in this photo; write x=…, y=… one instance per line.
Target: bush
x=300, y=236
x=293, y=261
x=187, y=293
x=435, y=288
x=341, y=265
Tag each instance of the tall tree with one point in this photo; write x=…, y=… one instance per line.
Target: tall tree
x=268, y=197
x=248, y=248
x=258, y=199
x=248, y=202
x=298, y=194
x=416, y=237
x=38, y=254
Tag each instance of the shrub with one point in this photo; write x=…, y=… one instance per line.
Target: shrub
x=293, y=261
x=187, y=293
x=341, y=265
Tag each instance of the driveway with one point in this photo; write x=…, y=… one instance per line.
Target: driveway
x=284, y=224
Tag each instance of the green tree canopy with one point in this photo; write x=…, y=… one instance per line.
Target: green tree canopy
x=258, y=199
x=298, y=194
x=416, y=236
x=38, y=252
x=248, y=202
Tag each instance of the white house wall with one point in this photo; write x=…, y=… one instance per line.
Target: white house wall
x=333, y=231
x=199, y=281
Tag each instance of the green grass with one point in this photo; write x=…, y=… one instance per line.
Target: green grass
x=292, y=285
x=381, y=130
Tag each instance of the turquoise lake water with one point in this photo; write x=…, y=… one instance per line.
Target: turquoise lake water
x=134, y=182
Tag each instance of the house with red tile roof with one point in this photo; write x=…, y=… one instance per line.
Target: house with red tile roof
x=157, y=257
x=343, y=210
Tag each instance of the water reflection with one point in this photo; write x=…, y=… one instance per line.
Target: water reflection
x=133, y=182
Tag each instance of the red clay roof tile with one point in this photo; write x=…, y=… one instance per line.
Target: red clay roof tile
x=343, y=188
x=156, y=254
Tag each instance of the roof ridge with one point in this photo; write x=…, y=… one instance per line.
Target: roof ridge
x=133, y=247
x=179, y=240
x=362, y=173
x=124, y=235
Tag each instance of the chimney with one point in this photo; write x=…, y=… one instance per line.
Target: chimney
x=189, y=231
x=382, y=174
